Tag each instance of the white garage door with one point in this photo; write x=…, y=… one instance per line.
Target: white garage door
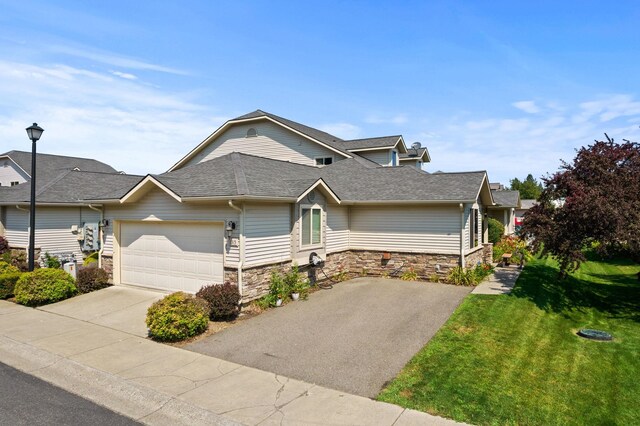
x=171, y=256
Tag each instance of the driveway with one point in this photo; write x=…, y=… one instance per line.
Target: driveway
x=120, y=308
x=353, y=338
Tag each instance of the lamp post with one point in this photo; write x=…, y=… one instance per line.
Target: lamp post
x=34, y=132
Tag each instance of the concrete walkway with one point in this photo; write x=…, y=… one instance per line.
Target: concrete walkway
x=501, y=282
x=159, y=384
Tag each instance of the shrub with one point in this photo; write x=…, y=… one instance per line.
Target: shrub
x=513, y=245
x=496, y=230
x=461, y=276
x=295, y=283
x=4, y=245
x=482, y=271
x=9, y=275
x=92, y=279
x=44, y=286
x=277, y=287
x=91, y=259
x=51, y=261
x=434, y=278
x=409, y=275
x=177, y=316
x=17, y=258
x=221, y=299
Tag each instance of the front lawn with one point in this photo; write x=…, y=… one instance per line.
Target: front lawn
x=516, y=359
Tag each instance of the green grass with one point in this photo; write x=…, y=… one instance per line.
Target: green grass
x=516, y=359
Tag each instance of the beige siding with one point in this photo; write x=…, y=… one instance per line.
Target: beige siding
x=267, y=233
x=53, y=228
x=300, y=254
x=382, y=157
x=157, y=205
x=467, y=230
x=337, y=228
x=273, y=141
x=409, y=229
x=9, y=172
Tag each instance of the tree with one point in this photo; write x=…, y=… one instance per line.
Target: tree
x=496, y=230
x=530, y=188
x=596, y=199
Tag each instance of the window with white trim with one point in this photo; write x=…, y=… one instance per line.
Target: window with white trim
x=324, y=161
x=473, y=234
x=311, y=225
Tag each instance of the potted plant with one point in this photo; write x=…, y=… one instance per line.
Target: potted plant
x=277, y=288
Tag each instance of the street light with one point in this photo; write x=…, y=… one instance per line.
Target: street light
x=34, y=132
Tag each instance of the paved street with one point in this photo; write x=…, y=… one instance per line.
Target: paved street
x=27, y=400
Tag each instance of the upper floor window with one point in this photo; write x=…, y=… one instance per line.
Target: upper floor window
x=311, y=229
x=394, y=158
x=324, y=161
x=252, y=133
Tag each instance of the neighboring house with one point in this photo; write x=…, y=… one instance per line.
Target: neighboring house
x=525, y=205
x=61, y=216
x=504, y=210
x=264, y=191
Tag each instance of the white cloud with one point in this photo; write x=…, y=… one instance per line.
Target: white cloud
x=398, y=119
x=527, y=106
x=124, y=75
x=123, y=122
x=342, y=130
x=515, y=147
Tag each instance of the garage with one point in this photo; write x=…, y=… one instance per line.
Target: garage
x=171, y=256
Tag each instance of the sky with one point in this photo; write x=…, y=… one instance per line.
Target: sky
x=508, y=87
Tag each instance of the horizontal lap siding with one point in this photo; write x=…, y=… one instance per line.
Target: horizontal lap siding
x=272, y=142
x=337, y=229
x=11, y=173
x=381, y=157
x=267, y=234
x=157, y=205
x=406, y=229
x=53, y=228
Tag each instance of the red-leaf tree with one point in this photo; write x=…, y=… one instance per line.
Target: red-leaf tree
x=594, y=199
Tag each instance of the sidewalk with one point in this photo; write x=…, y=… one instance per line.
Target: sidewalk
x=500, y=282
x=158, y=384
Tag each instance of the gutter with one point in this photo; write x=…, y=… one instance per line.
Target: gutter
x=241, y=248
x=100, y=233
x=462, y=235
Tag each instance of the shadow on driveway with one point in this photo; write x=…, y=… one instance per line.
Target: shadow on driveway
x=353, y=338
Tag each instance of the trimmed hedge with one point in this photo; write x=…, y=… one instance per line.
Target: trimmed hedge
x=7, y=283
x=496, y=230
x=91, y=279
x=44, y=286
x=221, y=299
x=177, y=316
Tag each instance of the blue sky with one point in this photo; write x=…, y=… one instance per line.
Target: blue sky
x=507, y=87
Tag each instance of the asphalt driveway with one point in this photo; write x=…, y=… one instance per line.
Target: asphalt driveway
x=353, y=338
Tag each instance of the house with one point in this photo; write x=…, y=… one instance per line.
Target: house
x=525, y=205
x=64, y=222
x=504, y=210
x=263, y=191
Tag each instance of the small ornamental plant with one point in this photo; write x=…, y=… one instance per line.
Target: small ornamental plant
x=9, y=276
x=43, y=286
x=177, y=316
x=222, y=300
x=91, y=279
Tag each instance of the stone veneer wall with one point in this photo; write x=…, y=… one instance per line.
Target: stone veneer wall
x=107, y=265
x=472, y=259
x=487, y=252
x=256, y=280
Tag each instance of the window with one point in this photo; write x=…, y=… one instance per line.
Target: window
x=394, y=158
x=324, y=161
x=252, y=133
x=311, y=218
x=14, y=183
x=473, y=232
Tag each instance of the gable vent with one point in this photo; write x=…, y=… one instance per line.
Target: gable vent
x=252, y=133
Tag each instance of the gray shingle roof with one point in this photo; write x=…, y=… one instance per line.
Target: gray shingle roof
x=238, y=174
x=506, y=198
x=413, y=153
x=527, y=204
x=49, y=165
x=371, y=143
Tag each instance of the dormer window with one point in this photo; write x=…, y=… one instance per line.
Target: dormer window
x=324, y=161
x=252, y=133
x=394, y=158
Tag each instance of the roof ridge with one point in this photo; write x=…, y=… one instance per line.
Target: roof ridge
x=53, y=181
x=53, y=155
x=373, y=137
x=238, y=171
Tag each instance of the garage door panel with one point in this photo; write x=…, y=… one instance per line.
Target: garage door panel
x=171, y=256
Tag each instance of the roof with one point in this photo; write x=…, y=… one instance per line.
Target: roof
x=372, y=143
x=49, y=164
x=352, y=181
x=68, y=187
x=506, y=198
x=527, y=204
x=415, y=154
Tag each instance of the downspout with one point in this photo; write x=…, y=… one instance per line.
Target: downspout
x=100, y=233
x=241, y=248
x=462, y=235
